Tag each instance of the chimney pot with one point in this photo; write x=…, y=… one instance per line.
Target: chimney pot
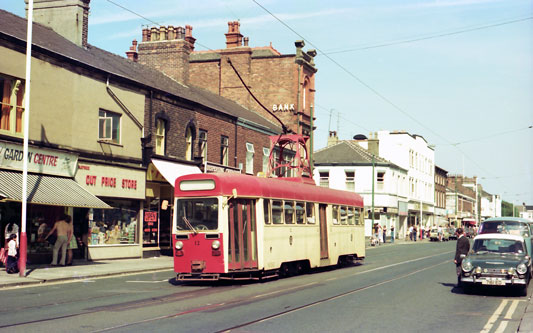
x=162, y=33
x=146, y=34
x=170, y=32
x=233, y=37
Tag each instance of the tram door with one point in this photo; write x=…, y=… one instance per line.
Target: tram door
x=242, y=234
x=323, y=231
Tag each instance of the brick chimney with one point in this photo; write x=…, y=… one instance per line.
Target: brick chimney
x=373, y=144
x=333, y=139
x=132, y=53
x=233, y=37
x=69, y=18
x=166, y=49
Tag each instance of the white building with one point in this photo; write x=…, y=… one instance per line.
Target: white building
x=491, y=205
x=412, y=153
x=345, y=165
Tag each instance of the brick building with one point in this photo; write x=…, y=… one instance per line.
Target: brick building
x=284, y=84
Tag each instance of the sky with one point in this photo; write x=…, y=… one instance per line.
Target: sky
x=457, y=72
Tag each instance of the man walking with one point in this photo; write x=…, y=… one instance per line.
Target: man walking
x=462, y=247
x=64, y=233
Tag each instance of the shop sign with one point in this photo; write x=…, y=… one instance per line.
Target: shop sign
x=283, y=107
x=44, y=161
x=150, y=227
x=109, y=181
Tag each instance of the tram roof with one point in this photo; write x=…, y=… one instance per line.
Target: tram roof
x=274, y=188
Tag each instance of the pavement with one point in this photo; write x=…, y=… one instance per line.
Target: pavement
x=83, y=270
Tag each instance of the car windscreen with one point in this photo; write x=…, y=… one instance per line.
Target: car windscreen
x=200, y=214
x=498, y=246
x=505, y=227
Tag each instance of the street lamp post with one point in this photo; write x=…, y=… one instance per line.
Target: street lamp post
x=23, y=242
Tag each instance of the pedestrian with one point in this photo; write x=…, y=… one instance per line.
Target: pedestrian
x=411, y=233
x=380, y=234
x=64, y=233
x=12, y=261
x=462, y=247
x=414, y=233
x=439, y=233
x=384, y=234
x=392, y=233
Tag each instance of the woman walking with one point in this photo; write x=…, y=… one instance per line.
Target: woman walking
x=12, y=261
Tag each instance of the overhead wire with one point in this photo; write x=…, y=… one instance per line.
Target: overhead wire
x=437, y=35
x=366, y=85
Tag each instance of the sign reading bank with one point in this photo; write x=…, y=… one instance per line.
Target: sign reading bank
x=45, y=161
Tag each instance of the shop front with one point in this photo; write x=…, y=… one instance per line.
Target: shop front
x=51, y=192
x=115, y=232
x=157, y=217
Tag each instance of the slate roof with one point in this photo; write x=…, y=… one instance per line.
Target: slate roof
x=348, y=152
x=49, y=42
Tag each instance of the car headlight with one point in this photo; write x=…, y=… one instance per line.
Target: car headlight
x=521, y=269
x=215, y=245
x=179, y=245
x=478, y=270
x=466, y=265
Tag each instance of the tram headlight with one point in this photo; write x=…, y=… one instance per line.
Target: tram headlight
x=467, y=266
x=179, y=245
x=521, y=269
x=215, y=245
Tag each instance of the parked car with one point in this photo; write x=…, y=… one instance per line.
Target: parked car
x=452, y=233
x=508, y=225
x=497, y=260
x=434, y=234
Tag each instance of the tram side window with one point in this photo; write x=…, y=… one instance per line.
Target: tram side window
x=344, y=215
x=289, y=212
x=266, y=209
x=277, y=210
x=351, y=220
x=335, y=214
x=300, y=213
x=309, y=212
x=357, y=216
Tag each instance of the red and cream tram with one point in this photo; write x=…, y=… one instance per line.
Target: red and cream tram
x=236, y=226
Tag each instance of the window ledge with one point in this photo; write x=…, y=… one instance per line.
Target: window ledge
x=110, y=143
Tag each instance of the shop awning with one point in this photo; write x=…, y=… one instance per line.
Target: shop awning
x=48, y=190
x=173, y=170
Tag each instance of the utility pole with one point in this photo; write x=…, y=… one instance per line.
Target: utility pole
x=372, y=192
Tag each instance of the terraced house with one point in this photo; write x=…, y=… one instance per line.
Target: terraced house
x=108, y=136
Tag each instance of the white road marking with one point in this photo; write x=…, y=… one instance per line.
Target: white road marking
x=512, y=308
x=502, y=326
x=494, y=317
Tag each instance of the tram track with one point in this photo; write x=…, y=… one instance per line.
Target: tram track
x=243, y=301
x=220, y=306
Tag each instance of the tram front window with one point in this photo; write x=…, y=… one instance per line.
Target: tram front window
x=201, y=214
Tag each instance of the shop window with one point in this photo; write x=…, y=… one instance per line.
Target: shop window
x=350, y=180
x=114, y=226
x=202, y=144
x=310, y=212
x=288, y=208
x=224, y=145
x=160, y=131
x=300, y=213
x=250, y=158
x=277, y=210
x=12, y=105
x=109, y=126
